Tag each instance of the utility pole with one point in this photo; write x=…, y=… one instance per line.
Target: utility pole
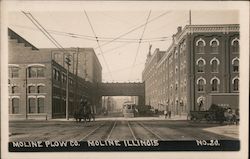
x=76, y=75
x=67, y=61
x=190, y=17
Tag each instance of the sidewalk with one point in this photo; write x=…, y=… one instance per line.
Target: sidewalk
x=227, y=130
x=129, y=119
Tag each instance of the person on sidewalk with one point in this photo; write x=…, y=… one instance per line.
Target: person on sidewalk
x=169, y=114
x=165, y=114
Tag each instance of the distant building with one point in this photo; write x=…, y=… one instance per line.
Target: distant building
x=200, y=68
x=38, y=77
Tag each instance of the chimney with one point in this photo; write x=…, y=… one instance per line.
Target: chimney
x=149, y=51
x=179, y=29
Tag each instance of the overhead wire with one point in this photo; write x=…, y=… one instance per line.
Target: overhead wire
x=104, y=39
x=134, y=29
x=138, y=48
x=39, y=27
x=44, y=30
x=92, y=28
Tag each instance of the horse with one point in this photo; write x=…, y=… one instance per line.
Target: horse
x=84, y=113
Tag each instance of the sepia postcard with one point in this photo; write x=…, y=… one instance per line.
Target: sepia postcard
x=127, y=79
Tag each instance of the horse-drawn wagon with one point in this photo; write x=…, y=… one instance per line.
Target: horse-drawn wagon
x=215, y=113
x=84, y=112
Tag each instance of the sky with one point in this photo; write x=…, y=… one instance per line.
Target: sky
x=123, y=59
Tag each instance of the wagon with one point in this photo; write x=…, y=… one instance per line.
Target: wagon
x=215, y=113
x=198, y=115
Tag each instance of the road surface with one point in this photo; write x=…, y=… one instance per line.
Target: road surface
x=32, y=130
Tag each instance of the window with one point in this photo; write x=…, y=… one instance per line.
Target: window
x=70, y=81
x=54, y=73
x=15, y=105
x=40, y=72
x=40, y=89
x=64, y=78
x=200, y=44
x=13, y=72
x=235, y=65
x=14, y=89
x=40, y=102
x=32, y=105
x=236, y=84
x=201, y=84
x=32, y=89
x=58, y=76
x=214, y=46
x=36, y=71
x=176, y=86
x=235, y=45
x=201, y=65
x=214, y=66
x=214, y=85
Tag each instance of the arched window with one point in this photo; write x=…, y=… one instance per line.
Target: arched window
x=176, y=86
x=13, y=72
x=14, y=89
x=214, y=46
x=200, y=45
x=235, y=45
x=201, y=84
x=214, y=65
x=40, y=89
x=36, y=71
x=214, y=85
x=32, y=89
x=235, y=63
x=15, y=105
x=201, y=65
x=236, y=84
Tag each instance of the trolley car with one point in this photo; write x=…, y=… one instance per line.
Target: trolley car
x=128, y=109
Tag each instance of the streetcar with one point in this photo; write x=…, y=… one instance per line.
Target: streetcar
x=128, y=109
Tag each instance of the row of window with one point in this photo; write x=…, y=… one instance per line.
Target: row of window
x=31, y=89
x=214, y=44
x=215, y=65
x=61, y=77
x=36, y=105
x=32, y=72
x=201, y=82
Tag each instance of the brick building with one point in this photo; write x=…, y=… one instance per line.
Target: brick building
x=200, y=68
x=38, y=77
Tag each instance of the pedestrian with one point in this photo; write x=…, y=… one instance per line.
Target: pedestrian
x=169, y=114
x=165, y=114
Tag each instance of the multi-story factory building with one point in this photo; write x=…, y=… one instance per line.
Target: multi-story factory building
x=200, y=68
x=38, y=77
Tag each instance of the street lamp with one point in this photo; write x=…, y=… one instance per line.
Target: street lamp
x=67, y=61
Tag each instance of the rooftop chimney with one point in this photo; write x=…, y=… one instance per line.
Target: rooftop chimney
x=179, y=29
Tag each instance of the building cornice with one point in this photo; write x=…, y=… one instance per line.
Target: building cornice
x=223, y=28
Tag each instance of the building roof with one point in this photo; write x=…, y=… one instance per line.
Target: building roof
x=14, y=35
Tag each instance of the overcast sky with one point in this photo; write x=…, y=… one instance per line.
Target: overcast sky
x=121, y=56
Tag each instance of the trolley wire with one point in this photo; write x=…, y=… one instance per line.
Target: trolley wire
x=134, y=29
x=92, y=28
x=138, y=48
x=44, y=31
x=103, y=39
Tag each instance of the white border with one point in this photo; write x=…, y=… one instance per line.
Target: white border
x=128, y=5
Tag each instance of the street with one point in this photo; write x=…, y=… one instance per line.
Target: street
x=34, y=130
